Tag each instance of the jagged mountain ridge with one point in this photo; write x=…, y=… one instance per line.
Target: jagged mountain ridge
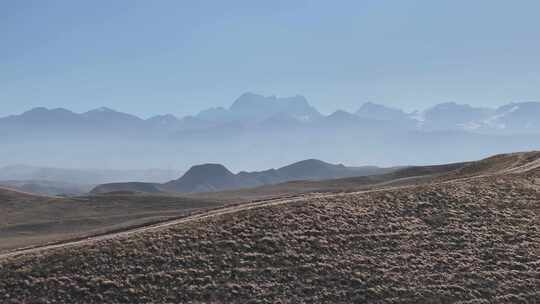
x=376, y=134
x=250, y=109
x=256, y=108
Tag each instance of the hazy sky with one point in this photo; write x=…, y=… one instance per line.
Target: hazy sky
x=149, y=57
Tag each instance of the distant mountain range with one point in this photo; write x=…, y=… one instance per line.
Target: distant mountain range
x=260, y=132
x=252, y=109
x=216, y=177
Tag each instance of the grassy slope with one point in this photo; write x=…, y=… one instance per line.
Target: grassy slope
x=27, y=220
x=474, y=241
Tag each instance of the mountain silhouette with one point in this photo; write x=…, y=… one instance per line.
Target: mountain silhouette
x=216, y=177
x=256, y=128
x=253, y=107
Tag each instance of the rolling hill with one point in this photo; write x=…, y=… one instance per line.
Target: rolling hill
x=216, y=177
x=30, y=220
x=466, y=235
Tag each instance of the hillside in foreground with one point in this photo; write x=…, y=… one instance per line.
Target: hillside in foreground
x=34, y=220
x=472, y=236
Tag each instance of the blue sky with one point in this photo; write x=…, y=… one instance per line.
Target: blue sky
x=150, y=57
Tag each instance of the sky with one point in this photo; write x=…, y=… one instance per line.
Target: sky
x=179, y=57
